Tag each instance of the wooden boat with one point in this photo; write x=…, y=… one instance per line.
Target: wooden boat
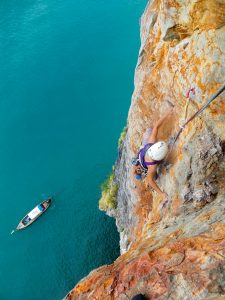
x=34, y=214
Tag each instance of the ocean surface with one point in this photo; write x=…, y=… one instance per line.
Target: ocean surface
x=66, y=79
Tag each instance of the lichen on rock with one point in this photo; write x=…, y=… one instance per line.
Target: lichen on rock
x=177, y=252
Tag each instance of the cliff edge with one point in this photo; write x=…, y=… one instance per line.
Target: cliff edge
x=177, y=251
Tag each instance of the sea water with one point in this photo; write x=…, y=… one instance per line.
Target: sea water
x=66, y=79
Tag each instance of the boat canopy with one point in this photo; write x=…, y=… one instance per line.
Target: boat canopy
x=34, y=212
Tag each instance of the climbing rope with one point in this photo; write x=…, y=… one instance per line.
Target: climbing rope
x=213, y=97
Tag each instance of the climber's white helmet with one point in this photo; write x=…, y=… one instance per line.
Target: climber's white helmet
x=158, y=151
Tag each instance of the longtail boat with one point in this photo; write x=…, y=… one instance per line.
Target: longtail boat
x=34, y=214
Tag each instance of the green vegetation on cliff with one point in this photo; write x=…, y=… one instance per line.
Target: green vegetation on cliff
x=122, y=137
x=109, y=190
x=109, y=187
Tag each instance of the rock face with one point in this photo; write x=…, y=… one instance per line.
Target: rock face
x=175, y=252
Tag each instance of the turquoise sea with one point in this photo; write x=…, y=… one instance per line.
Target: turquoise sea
x=66, y=79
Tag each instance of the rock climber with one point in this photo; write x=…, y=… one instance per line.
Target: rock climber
x=150, y=155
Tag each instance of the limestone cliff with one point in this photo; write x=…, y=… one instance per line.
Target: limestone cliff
x=177, y=252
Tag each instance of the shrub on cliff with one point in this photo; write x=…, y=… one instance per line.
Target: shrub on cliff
x=109, y=190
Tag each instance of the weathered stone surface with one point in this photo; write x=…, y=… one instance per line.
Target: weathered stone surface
x=178, y=251
x=190, y=268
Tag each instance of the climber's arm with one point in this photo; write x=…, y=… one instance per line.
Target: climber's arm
x=152, y=183
x=153, y=136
